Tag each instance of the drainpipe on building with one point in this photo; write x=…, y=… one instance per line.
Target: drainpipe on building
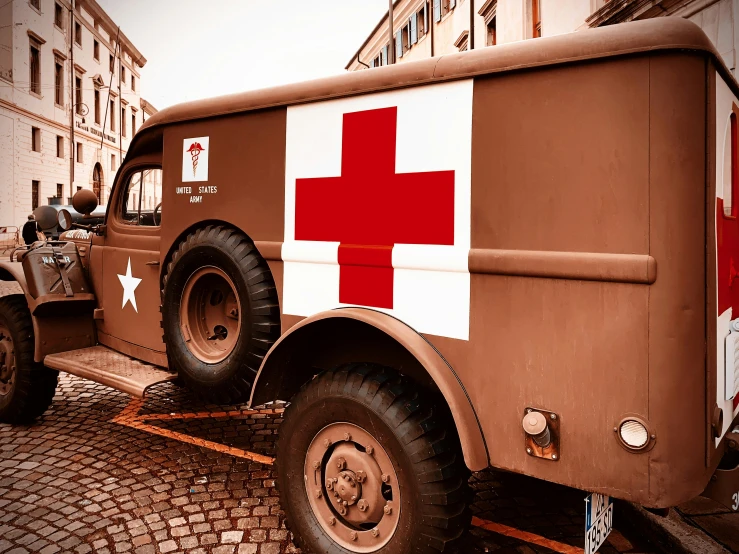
x=120, y=103
x=71, y=102
x=471, y=41
x=391, y=49
x=431, y=22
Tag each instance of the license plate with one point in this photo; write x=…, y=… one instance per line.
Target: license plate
x=598, y=521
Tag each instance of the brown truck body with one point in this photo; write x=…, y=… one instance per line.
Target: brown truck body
x=589, y=249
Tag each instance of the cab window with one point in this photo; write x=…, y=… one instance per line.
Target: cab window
x=142, y=198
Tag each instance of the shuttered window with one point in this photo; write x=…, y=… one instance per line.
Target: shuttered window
x=58, y=81
x=437, y=10
x=399, y=44
x=414, y=28
x=34, y=194
x=35, y=65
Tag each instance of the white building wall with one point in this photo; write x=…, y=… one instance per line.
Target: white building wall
x=20, y=110
x=719, y=22
x=563, y=16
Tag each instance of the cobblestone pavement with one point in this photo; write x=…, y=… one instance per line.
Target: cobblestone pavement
x=102, y=472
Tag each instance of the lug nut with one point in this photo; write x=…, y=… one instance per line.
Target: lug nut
x=347, y=437
x=362, y=505
x=316, y=464
x=385, y=478
x=332, y=520
x=354, y=497
x=387, y=509
x=342, y=510
x=353, y=535
x=326, y=443
x=361, y=476
x=369, y=450
x=341, y=463
x=319, y=494
x=375, y=532
x=329, y=484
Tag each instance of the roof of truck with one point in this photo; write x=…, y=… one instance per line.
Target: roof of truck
x=668, y=33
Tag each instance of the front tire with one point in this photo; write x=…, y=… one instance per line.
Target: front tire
x=366, y=463
x=26, y=387
x=220, y=313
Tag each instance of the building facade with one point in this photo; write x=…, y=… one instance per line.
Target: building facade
x=70, y=102
x=424, y=28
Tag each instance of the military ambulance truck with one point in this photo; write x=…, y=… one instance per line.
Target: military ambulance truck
x=522, y=257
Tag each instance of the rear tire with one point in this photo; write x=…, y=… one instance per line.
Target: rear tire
x=395, y=432
x=220, y=313
x=26, y=387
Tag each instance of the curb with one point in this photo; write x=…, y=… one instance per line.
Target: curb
x=671, y=533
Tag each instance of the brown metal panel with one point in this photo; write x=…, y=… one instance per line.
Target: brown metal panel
x=565, y=168
x=246, y=163
x=677, y=334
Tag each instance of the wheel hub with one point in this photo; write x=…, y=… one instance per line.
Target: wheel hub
x=352, y=487
x=210, y=315
x=7, y=361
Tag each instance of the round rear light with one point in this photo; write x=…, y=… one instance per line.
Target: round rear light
x=633, y=434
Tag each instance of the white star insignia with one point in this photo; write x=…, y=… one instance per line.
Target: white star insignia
x=129, y=286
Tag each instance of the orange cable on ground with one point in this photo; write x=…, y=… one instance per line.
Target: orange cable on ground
x=130, y=418
x=526, y=536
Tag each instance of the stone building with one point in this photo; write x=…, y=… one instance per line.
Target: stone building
x=70, y=102
x=423, y=28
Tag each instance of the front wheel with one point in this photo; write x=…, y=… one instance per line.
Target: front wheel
x=26, y=387
x=367, y=464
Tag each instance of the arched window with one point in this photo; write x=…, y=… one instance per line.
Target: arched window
x=97, y=181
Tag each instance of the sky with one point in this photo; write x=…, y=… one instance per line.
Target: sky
x=202, y=48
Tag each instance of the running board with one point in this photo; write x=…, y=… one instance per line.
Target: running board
x=109, y=367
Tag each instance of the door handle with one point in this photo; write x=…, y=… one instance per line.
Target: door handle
x=153, y=263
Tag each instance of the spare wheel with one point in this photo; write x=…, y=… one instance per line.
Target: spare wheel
x=220, y=313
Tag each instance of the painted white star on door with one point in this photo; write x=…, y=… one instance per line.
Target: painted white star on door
x=129, y=283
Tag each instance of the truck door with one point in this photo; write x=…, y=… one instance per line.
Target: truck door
x=131, y=296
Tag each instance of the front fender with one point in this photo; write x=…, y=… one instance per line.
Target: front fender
x=337, y=336
x=13, y=271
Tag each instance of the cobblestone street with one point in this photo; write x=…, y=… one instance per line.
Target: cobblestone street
x=105, y=473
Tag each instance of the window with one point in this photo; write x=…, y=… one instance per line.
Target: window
x=96, y=50
x=35, y=67
x=34, y=194
x=35, y=139
x=123, y=74
x=59, y=146
x=112, y=64
x=35, y=4
x=536, y=18
x=80, y=150
x=97, y=105
x=133, y=83
x=492, y=33
x=58, y=15
x=78, y=34
x=140, y=199
x=443, y=7
x=133, y=123
x=58, y=81
x=78, y=94
x=123, y=121
x=59, y=190
x=418, y=25
x=112, y=115
x=112, y=162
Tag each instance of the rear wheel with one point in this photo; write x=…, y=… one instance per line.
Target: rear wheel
x=26, y=387
x=220, y=313
x=367, y=464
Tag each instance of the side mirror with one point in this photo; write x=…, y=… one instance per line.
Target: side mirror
x=84, y=201
x=65, y=219
x=46, y=217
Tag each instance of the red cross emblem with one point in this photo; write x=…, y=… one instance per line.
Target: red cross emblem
x=369, y=208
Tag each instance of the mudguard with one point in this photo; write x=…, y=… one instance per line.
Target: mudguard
x=281, y=374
